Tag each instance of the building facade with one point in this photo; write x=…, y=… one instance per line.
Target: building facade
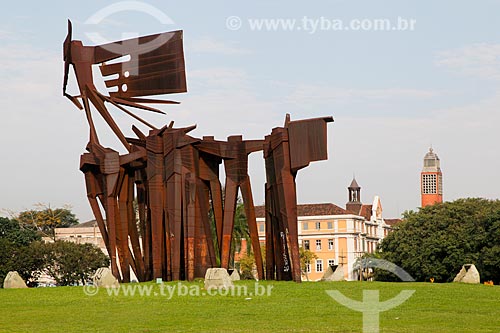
x=337, y=236
x=87, y=232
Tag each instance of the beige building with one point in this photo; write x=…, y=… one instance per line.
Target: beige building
x=336, y=235
x=87, y=232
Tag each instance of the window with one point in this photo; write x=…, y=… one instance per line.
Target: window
x=305, y=225
x=319, y=265
x=330, y=244
x=330, y=225
x=318, y=225
x=308, y=267
x=306, y=245
x=429, y=183
x=318, y=244
x=331, y=262
x=261, y=227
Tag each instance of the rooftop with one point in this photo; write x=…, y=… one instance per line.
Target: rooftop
x=309, y=210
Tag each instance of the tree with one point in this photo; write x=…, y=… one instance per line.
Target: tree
x=29, y=261
x=21, y=250
x=6, y=250
x=18, y=252
x=305, y=259
x=240, y=231
x=16, y=233
x=45, y=219
x=70, y=263
x=247, y=263
x=437, y=240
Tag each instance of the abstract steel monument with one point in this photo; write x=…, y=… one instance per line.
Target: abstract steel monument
x=173, y=178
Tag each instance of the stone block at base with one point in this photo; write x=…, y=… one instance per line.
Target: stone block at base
x=235, y=276
x=218, y=278
x=335, y=273
x=468, y=274
x=14, y=280
x=104, y=278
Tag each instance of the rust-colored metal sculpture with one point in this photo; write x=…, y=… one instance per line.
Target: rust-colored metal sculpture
x=287, y=150
x=174, y=177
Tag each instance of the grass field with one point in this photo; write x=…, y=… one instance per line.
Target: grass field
x=290, y=307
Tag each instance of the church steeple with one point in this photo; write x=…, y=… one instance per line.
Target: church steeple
x=354, y=203
x=431, y=180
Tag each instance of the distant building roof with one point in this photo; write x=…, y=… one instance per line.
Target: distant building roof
x=366, y=211
x=88, y=224
x=392, y=222
x=309, y=210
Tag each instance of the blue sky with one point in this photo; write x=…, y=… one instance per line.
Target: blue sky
x=392, y=93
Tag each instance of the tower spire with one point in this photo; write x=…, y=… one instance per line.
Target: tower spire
x=354, y=204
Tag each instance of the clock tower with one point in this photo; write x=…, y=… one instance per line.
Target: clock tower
x=431, y=180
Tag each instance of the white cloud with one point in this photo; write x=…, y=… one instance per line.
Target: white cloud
x=6, y=35
x=477, y=60
x=210, y=45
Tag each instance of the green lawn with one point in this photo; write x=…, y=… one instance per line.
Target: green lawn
x=291, y=307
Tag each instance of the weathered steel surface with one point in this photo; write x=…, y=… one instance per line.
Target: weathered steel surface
x=287, y=150
x=174, y=177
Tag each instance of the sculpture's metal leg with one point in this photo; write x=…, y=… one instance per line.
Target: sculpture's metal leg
x=190, y=221
x=133, y=231
x=122, y=227
x=270, y=257
x=216, y=194
x=92, y=189
x=174, y=209
x=145, y=229
x=205, y=244
x=230, y=200
x=246, y=192
x=111, y=223
x=288, y=211
x=156, y=203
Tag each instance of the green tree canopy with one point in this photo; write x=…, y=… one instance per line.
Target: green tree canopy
x=437, y=240
x=16, y=233
x=45, y=219
x=16, y=252
x=306, y=256
x=70, y=263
